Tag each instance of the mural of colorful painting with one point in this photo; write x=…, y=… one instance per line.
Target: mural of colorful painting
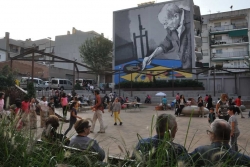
x=152, y=39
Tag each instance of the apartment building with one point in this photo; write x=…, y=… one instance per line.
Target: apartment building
x=225, y=40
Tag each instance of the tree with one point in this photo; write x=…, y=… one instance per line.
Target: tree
x=7, y=78
x=96, y=53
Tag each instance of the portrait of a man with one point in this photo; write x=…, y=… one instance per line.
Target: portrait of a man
x=176, y=21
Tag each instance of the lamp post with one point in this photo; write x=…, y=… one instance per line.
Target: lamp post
x=119, y=81
x=49, y=62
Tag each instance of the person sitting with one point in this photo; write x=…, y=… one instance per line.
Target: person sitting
x=49, y=133
x=166, y=128
x=82, y=141
x=219, y=151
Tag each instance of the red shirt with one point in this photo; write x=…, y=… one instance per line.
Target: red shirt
x=25, y=106
x=238, y=102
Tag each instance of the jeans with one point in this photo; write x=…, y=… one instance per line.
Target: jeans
x=64, y=110
x=71, y=124
x=164, y=106
x=233, y=141
x=97, y=115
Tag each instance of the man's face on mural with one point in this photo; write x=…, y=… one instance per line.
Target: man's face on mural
x=172, y=23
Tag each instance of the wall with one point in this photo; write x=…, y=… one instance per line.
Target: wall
x=2, y=55
x=67, y=46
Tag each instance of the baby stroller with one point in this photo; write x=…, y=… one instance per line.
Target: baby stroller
x=147, y=100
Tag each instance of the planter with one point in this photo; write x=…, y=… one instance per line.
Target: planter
x=163, y=89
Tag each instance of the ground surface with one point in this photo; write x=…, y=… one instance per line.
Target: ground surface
x=139, y=123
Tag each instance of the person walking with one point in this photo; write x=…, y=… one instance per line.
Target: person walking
x=181, y=102
x=97, y=109
x=64, y=104
x=73, y=117
x=117, y=108
x=235, y=132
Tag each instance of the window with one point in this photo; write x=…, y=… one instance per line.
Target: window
x=54, y=82
x=65, y=82
x=60, y=81
x=218, y=51
x=218, y=38
x=204, y=26
x=217, y=24
x=69, y=83
x=205, y=52
x=204, y=39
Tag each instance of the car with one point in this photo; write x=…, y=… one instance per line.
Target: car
x=47, y=85
x=62, y=84
x=38, y=83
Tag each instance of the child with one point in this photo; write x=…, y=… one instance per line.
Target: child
x=116, y=109
x=73, y=117
x=211, y=115
x=235, y=132
x=51, y=106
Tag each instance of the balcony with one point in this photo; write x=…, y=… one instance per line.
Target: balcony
x=229, y=27
x=232, y=41
x=230, y=55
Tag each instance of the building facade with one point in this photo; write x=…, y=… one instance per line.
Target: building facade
x=225, y=40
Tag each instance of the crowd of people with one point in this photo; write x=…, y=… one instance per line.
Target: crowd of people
x=224, y=129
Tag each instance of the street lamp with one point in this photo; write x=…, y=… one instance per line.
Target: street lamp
x=119, y=81
x=49, y=63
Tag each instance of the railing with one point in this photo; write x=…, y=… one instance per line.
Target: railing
x=229, y=41
x=231, y=54
x=229, y=27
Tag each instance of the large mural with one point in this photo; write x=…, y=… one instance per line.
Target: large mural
x=153, y=40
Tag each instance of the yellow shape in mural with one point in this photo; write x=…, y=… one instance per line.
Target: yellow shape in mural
x=146, y=76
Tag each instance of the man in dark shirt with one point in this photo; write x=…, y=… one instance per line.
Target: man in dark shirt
x=162, y=144
x=219, y=152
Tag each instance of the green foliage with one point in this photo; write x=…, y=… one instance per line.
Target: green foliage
x=7, y=78
x=78, y=86
x=161, y=84
x=31, y=91
x=96, y=52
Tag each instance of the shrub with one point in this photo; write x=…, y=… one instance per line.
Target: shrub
x=161, y=84
x=78, y=86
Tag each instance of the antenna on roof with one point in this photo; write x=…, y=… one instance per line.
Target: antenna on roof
x=231, y=7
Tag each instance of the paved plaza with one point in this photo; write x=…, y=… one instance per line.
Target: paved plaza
x=138, y=124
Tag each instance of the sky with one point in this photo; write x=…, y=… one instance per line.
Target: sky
x=38, y=19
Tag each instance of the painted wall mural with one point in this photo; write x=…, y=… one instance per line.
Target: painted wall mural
x=152, y=39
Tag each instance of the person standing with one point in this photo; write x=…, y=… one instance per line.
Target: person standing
x=44, y=111
x=200, y=105
x=181, y=102
x=209, y=102
x=33, y=116
x=235, y=132
x=117, y=108
x=64, y=104
x=211, y=115
x=97, y=113
x=238, y=104
x=164, y=103
x=1, y=101
x=221, y=107
x=73, y=117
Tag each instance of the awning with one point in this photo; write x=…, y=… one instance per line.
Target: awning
x=237, y=33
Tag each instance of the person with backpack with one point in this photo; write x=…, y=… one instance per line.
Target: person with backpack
x=73, y=117
x=97, y=113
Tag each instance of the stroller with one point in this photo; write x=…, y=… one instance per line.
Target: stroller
x=147, y=100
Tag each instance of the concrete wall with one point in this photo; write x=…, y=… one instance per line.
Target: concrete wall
x=67, y=46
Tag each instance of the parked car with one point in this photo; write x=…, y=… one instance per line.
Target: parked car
x=47, y=85
x=38, y=83
x=62, y=84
